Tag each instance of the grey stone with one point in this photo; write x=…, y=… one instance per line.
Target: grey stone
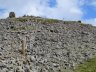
x=50, y=47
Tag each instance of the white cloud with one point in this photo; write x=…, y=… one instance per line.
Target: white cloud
x=67, y=9
x=93, y=3
x=90, y=21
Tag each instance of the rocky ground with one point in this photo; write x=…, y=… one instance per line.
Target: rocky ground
x=51, y=47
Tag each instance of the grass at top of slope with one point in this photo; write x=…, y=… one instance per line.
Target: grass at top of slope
x=42, y=20
x=36, y=19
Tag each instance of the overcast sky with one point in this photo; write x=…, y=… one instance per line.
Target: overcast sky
x=84, y=10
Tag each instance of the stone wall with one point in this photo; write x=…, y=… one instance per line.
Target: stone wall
x=50, y=47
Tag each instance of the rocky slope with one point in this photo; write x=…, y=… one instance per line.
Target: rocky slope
x=52, y=46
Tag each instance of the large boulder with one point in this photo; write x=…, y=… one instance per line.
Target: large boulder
x=11, y=15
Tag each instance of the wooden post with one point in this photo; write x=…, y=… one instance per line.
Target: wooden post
x=23, y=46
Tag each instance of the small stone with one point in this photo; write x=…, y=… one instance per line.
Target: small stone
x=2, y=66
x=27, y=69
x=32, y=58
x=19, y=69
x=0, y=53
x=24, y=62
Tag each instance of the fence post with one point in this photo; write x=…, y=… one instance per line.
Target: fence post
x=23, y=46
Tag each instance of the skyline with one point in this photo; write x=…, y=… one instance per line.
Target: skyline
x=83, y=10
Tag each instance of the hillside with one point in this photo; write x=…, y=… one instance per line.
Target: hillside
x=52, y=45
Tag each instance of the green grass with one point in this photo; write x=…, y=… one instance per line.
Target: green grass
x=48, y=21
x=36, y=19
x=23, y=28
x=44, y=20
x=88, y=66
